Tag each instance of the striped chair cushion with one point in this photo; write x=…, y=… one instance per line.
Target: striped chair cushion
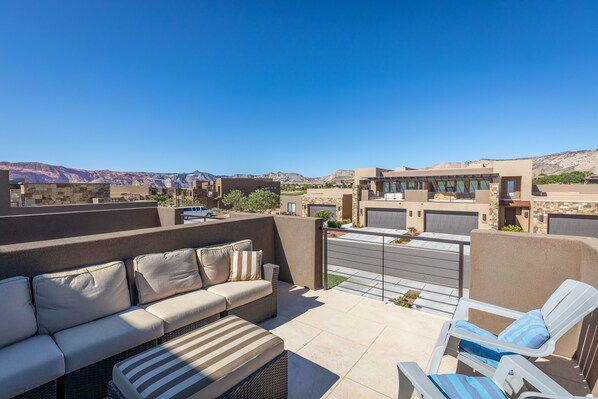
x=488, y=355
x=203, y=363
x=245, y=265
x=458, y=386
x=529, y=331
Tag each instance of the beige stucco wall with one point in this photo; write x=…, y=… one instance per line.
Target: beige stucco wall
x=417, y=219
x=119, y=191
x=297, y=199
x=521, y=270
x=519, y=168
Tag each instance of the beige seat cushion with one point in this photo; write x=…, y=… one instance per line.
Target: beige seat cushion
x=238, y=293
x=158, y=276
x=204, y=363
x=29, y=364
x=17, y=315
x=184, y=309
x=214, y=262
x=100, y=339
x=67, y=299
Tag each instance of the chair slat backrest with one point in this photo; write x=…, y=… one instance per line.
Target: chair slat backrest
x=568, y=305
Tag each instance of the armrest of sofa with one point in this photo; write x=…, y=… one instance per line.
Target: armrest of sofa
x=270, y=273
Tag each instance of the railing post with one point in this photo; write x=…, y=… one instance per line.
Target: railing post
x=461, y=269
x=383, y=268
x=325, y=256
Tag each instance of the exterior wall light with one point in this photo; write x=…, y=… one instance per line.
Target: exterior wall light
x=361, y=211
x=483, y=217
x=541, y=218
x=526, y=214
x=419, y=214
x=410, y=213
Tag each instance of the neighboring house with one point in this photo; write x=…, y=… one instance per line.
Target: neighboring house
x=335, y=200
x=291, y=204
x=451, y=201
x=211, y=192
x=569, y=209
x=34, y=194
x=132, y=193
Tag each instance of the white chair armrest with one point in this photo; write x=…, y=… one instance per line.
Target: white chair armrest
x=465, y=304
x=411, y=373
x=496, y=343
x=522, y=368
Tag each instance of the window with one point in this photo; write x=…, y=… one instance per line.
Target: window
x=441, y=187
x=511, y=188
x=473, y=186
x=412, y=185
x=385, y=187
x=393, y=186
x=450, y=186
x=403, y=186
x=460, y=186
x=291, y=207
x=484, y=185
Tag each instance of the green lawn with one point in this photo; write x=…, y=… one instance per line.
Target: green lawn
x=335, y=279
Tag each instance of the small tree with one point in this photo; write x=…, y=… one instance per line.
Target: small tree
x=326, y=215
x=235, y=199
x=261, y=201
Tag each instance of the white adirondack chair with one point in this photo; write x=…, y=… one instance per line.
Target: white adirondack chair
x=510, y=375
x=567, y=306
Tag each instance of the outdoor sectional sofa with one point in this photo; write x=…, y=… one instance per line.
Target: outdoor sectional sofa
x=64, y=340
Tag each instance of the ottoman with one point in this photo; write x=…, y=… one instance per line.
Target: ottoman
x=230, y=358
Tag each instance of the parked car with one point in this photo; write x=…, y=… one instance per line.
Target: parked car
x=196, y=211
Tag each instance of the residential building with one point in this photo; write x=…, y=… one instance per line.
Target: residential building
x=569, y=209
x=211, y=192
x=291, y=205
x=35, y=194
x=451, y=201
x=132, y=193
x=337, y=201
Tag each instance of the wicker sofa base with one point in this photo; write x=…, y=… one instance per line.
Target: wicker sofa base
x=91, y=382
x=46, y=391
x=268, y=382
x=188, y=328
x=256, y=311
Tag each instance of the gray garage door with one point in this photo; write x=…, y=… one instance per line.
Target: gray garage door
x=387, y=218
x=313, y=209
x=573, y=225
x=451, y=222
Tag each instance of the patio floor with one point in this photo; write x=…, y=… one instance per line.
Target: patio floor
x=343, y=345
x=347, y=346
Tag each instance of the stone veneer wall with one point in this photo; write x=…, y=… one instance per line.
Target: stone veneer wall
x=306, y=201
x=545, y=208
x=494, y=198
x=357, y=189
x=63, y=193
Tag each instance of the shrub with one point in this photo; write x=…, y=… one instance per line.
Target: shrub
x=513, y=228
x=335, y=224
x=326, y=215
x=411, y=231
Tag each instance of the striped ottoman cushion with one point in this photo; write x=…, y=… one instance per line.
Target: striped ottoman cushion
x=203, y=363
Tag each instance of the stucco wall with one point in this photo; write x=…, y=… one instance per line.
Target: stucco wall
x=4, y=191
x=521, y=270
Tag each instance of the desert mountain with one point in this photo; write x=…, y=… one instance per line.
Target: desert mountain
x=569, y=161
x=43, y=173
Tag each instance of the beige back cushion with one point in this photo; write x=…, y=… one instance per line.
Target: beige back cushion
x=17, y=315
x=158, y=276
x=75, y=297
x=245, y=265
x=214, y=262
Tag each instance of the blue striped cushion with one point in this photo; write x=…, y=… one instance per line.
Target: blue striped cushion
x=457, y=386
x=490, y=356
x=529, y=331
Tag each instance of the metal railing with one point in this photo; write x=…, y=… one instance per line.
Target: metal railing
x=461, y=251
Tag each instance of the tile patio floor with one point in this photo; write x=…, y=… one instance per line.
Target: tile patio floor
x=347, y=346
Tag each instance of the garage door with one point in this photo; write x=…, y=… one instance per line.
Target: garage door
x=573, y=225
x=387, y=218
x=451, y=222
x=313, y=209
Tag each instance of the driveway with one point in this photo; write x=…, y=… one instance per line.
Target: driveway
x=374, y=239
x=440, y=246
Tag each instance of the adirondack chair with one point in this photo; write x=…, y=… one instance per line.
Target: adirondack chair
x=513, y=374
x=533, y=334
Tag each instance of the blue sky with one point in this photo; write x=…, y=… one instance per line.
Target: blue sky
x=303, y=86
